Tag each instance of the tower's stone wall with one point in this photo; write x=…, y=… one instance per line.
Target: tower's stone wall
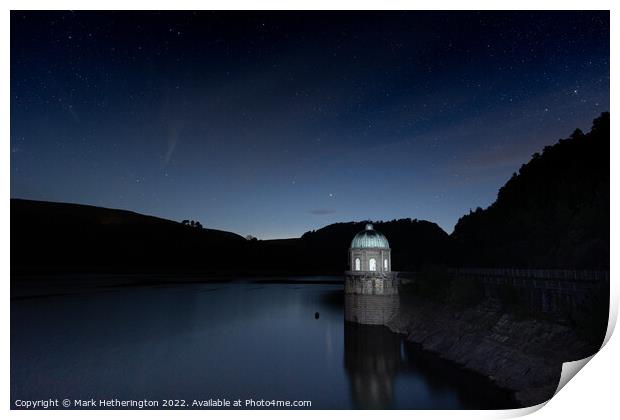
x=371, y=298
x=370, y=309
x=371, y=283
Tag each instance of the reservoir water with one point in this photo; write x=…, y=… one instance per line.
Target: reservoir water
x=237, y=340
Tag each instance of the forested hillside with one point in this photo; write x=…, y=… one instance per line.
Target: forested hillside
x=553, y=213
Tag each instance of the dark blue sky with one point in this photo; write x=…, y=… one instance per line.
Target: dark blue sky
x=275, y=123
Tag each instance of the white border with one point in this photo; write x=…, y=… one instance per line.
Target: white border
x=593, y=394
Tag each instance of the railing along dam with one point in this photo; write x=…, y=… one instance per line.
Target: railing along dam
x=546, y=290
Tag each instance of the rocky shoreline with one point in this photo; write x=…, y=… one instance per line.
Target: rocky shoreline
x=518, y=353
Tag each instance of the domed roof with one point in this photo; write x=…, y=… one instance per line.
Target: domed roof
x=369, y=238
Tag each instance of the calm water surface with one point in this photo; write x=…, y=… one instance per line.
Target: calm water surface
x=235, y=340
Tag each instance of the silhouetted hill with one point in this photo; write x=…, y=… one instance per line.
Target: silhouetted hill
x=553, y=213
x=414, y=243
x=61, y=236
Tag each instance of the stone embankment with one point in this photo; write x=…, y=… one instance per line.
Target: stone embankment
x=518, y=353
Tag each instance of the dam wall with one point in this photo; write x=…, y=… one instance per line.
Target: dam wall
x=518, y=331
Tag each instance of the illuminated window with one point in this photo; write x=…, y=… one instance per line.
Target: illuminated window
x=385, y=264
x=372, y=264
x=357, y=264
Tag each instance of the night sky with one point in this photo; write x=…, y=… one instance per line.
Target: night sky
x=275, y=123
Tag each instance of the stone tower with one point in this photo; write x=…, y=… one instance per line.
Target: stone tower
x=371, y=288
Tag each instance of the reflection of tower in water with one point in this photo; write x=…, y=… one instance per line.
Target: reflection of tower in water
x=371, y=359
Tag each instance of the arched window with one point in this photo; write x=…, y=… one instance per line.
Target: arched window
x=372, y=264
x=358, y=265
x=385, y=264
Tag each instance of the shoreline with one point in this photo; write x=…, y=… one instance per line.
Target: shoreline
x=42, y=286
